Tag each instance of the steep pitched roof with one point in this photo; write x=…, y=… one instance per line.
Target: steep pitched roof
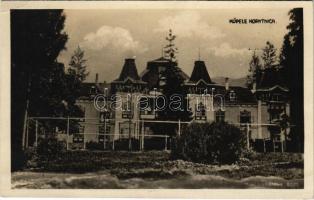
x=200, y=73
x=129, y=70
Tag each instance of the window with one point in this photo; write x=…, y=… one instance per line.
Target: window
x=93, y=90
x=232, y=95
x=83, y=109
x=78, y=138
x=220, y=116
x=126, y=129
x=81, y=129
x=103, y=116
x=103, y=130
x=200, y=111
x=245, y=117
x=276, y=97
x=127, y=110
x=146, y=106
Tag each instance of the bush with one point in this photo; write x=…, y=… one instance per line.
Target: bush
x=220, y=143
x=91, y=145
x=49, y=149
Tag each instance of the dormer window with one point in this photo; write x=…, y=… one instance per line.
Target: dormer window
x=232, y=96
x=93, y=90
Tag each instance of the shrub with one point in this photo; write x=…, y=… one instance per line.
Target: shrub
x=209, y=143
x=49, y=149
x=91, y=145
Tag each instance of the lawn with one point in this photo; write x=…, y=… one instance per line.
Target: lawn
x=155, y=169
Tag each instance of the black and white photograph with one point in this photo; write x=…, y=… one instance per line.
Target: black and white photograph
x=157, y=98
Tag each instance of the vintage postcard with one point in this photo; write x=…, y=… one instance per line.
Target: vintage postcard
x=157, y=99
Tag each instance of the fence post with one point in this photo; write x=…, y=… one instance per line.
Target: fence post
x=179, y=127
x=113, y=143
x=247, y=136
x=36, y=133
x=143, y=135
x=105, y=134
x=27, y=132
x=139, y=135
x=166, y=143
x=68, y=132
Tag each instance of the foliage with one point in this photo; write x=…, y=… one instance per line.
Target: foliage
x=49, y=149
x=209, y=143
x=269, y=55
x=174, y=92
x=91, y=145
x=170, y=49
x=292, y=61
x=78, y=65
x=255, y=71
x=37, y=38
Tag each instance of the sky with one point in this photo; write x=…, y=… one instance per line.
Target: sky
x=110, y=36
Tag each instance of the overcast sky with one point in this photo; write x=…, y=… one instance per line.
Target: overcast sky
x=110, y=36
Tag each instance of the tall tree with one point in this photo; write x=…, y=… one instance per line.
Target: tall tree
x=170, y=50
x=269, y=55
x=37, y=79
x=78, y=65
x=292, y=61
x=77, y=73
x=255, y=71
x=173, y=90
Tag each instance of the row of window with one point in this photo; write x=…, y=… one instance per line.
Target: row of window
x=245, y=116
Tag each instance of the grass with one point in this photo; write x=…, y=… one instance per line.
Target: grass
x=155, y=169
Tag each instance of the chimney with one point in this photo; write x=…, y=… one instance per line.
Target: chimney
x=96, y=78
x=227, y=83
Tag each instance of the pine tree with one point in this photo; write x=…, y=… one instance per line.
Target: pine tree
x=269, y=55
x=38, y=80
x=255, y=71
x=170, y=50
x=173, y=86
x=292, y=61
x=78, y=65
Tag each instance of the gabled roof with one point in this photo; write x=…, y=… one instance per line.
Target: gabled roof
x=161, y=59
x=242, y=95
x=271, y=77
x=200, y=73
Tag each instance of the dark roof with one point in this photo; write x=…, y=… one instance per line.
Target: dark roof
x=161, y=59
x=200, y=73
x=89, y=89
x=271, y=77
x=152, y=73
x=242, y=95
x=128, y=70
